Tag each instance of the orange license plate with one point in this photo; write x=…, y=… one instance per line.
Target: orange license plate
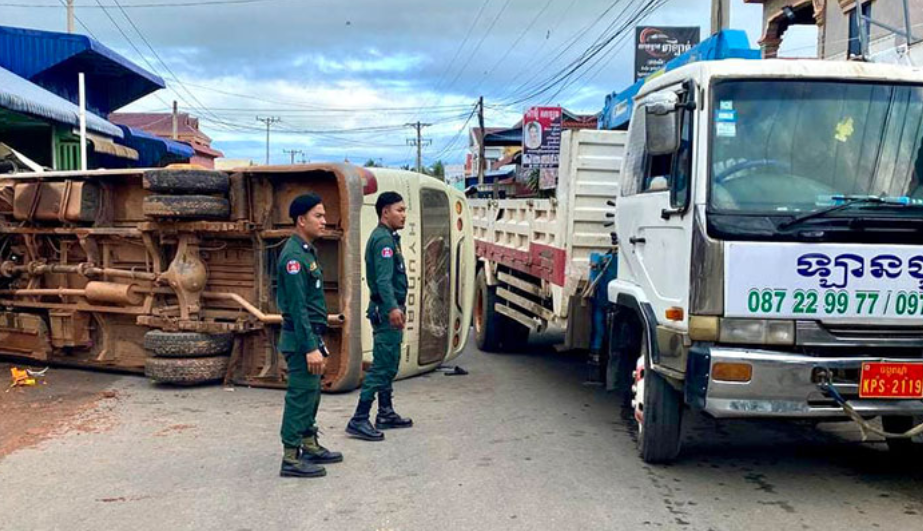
x=891, y=380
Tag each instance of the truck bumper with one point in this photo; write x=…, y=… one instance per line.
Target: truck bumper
x=782, y=386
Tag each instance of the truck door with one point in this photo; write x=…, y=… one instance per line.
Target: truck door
x=653, y=218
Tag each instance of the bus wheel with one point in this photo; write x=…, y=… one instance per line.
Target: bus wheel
x=186, y=371
x=487, y=321
x=658, y=409
x=187, y=344
x=186, y=181
x=186, y=207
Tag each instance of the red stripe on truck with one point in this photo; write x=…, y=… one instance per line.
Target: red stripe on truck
x=541, y=261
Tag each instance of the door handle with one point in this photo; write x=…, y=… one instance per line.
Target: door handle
x=634, y=240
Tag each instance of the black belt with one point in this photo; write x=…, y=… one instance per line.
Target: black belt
x=319, y=329
x=376, y=298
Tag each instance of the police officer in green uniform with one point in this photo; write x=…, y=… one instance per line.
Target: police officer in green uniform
x=387, y=280
x=300, y=297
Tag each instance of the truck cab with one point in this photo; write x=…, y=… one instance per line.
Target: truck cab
x=770, y=228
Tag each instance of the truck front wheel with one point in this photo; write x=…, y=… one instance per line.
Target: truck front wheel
x=658, y=411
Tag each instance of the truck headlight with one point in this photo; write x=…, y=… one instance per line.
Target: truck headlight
x=757, y=331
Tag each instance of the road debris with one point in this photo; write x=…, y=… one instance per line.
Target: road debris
x=26, y=377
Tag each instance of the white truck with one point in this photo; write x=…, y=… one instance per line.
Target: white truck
x=769, y=216
x=535, y=254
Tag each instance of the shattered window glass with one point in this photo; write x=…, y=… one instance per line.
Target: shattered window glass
x=437, y=250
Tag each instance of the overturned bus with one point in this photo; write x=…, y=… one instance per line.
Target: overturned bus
x=171, y=272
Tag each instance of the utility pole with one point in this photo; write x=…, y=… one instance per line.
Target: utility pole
x=292, y=153
x=70, y=16
x=481, y=150
x=419, y=142
x=268, y=121
x=720, y=15
x=175, y=121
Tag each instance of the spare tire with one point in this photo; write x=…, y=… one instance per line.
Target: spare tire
x=187, y=344
x=186, y=207
x=186, y=181
x=186, y=371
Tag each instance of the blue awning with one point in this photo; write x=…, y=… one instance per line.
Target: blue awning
x=53, y=60
x=153, y=150
x=22, y=96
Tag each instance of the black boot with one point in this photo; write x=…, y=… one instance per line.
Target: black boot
x=294, y=467
x=387, y=418
x=314, y=453
x=360, y=427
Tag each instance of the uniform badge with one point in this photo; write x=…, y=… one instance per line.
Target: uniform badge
x=387, y=252
x=293, y=267
x=313, y=266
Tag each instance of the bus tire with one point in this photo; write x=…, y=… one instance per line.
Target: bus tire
x=660, y=425
x=186, y=181
x=186, y=207
x=187, y=344
x=487, y=321
x=186, y=371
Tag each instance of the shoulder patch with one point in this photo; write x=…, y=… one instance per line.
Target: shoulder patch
x=293, y=267
x=313, y=266
x=387, y=252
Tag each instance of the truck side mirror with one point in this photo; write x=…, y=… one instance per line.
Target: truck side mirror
x=661, y=129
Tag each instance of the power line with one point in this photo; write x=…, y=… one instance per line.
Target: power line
x=559, y=52
x=131, y=43
x=620, y=41
x=157, y=56
x=480, y=42
x=512, y=46
x=203, y=3
x=598, y=46
x=458, y=51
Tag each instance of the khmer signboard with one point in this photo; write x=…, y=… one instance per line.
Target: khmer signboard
x=541, y=143
x=656, y=45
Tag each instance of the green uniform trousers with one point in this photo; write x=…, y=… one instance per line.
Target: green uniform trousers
x=302, y=398
x=386, y=359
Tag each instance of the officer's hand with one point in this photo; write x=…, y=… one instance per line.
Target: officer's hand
x=316, y=362
x=397, y=318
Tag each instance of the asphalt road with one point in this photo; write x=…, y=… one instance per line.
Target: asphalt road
x=518, y=443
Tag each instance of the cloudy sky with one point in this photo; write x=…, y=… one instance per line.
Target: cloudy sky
x=344, y=76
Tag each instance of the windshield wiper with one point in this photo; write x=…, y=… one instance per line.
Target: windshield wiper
x=844, y=202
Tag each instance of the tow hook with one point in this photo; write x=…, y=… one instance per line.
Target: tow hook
x=825, y=384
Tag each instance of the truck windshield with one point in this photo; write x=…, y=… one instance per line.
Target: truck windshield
x=788, y=147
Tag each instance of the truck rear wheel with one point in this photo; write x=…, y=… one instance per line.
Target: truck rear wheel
x=515, y=336
x=186, y=206
x=487, y=323
x=187, y=344
x=186, y=371
x=186, y=181
x=658, y=413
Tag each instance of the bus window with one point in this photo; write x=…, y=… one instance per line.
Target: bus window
x=437, y=248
